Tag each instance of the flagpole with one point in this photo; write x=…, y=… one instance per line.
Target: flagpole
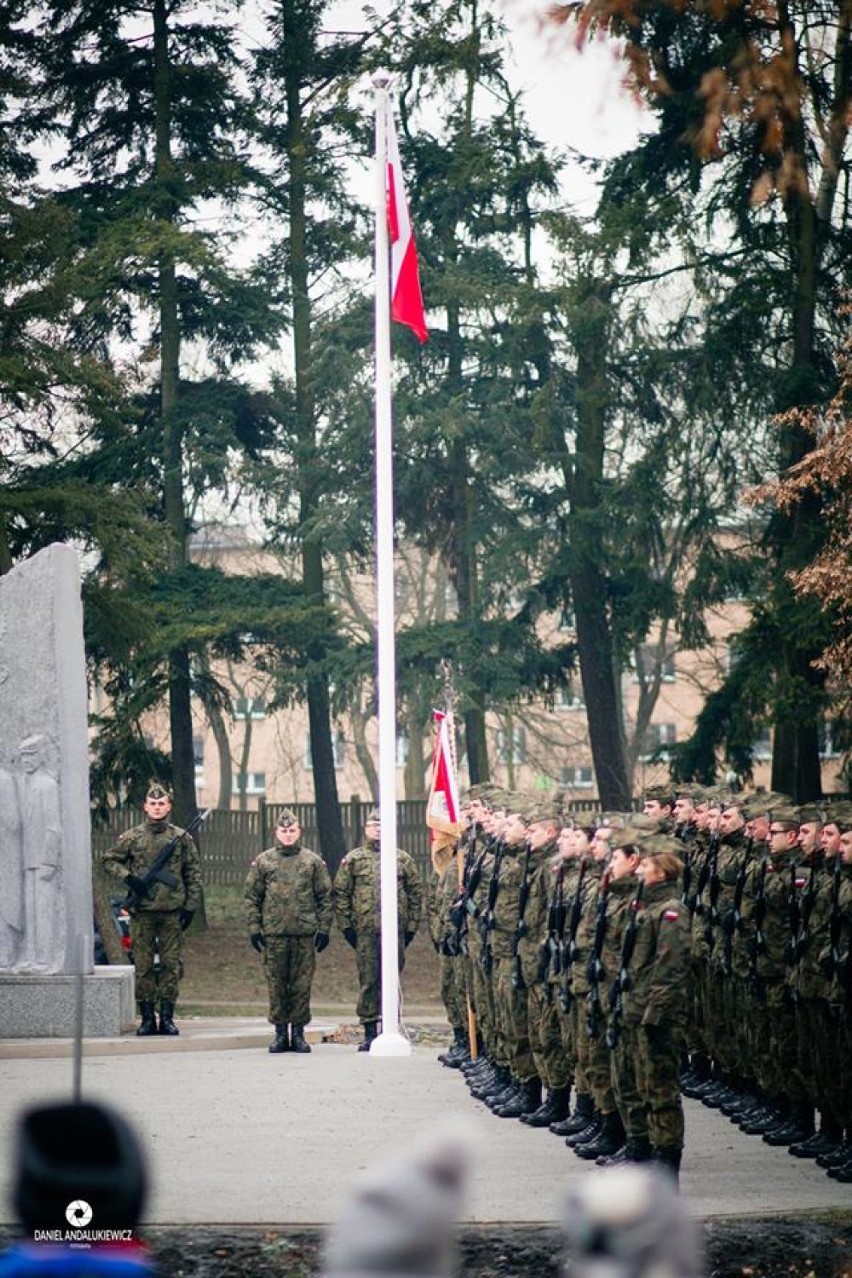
x=390, y=1042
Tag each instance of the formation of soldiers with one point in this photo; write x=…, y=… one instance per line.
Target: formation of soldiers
x=698, y=948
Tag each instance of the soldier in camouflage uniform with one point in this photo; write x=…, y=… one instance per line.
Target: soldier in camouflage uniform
x=551, y=1063
x=288, y=914
x=654, y=1004
x=357, y=908
x=836, y=961
x=523, y=1092
x=442, y=895
x=160, y=919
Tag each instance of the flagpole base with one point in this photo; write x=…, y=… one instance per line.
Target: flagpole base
x=390, y=1044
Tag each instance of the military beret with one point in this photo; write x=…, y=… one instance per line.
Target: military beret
x=787, y=816
x=812, y=812
x=839, y=813
x=661, y=793
x=644, y=823
x=657, y=844
x=156, y=790
x=764, y=803
x=286, y=817
x=373, y=815
x=628, y=836
x=613, y=820
x=543, y=809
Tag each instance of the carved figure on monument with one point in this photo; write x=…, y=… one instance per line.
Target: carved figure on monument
x=44, y=939
x=11, y=872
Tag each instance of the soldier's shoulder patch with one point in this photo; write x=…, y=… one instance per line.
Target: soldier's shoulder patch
x=253, y=863
x=671, y=915
x=800, y=883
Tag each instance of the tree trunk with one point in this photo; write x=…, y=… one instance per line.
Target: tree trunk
x=588, y=583
x=332, y=843
x=165, y=209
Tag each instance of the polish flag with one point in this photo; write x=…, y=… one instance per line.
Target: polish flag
x=406, y=297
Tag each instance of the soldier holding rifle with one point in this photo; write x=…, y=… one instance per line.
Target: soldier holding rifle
x=159, y=864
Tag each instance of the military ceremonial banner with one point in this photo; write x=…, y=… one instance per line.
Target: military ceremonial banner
x=442, y=806
x=406, y=296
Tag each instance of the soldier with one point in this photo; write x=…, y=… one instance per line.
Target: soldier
x=658, y=802
x=551, y=1066
x=836, y=963
x=522, y=1094
x=357, y=908
x=288, y=913
x=655, y=1000
x=162, y=912
x=447, y=937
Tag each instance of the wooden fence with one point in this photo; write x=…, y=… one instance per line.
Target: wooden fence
x=230, y=840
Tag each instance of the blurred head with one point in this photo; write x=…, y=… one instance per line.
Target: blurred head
x=287, y=828
x=71, y=1152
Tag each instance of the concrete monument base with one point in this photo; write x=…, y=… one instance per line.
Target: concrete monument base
x=35, y=1006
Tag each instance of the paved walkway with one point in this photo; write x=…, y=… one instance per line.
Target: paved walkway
x=236, y=1136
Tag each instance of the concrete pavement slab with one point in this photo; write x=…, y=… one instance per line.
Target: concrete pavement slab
x=241, y=1137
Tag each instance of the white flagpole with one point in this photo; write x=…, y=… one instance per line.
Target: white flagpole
x=390, y=1042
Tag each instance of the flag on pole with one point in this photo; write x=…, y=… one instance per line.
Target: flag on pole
x=406, y=297
x=442, y=806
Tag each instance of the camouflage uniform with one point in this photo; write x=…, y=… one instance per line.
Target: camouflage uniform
x=357, y=906
x=288, y=899
x=444, y=891
x=815, y=1031
x=594, y=1073
x=655, y=1009
x=551, y=1063
x=156, y=922
x=510, y=1000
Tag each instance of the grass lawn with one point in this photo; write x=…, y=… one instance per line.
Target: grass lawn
x=223, y=975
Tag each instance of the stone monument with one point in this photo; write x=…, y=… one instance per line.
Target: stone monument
x=46, y=926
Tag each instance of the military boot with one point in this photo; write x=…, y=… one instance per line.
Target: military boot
x=526, y=1100
x=280, y=1042
x=668, y=1157
x=298, y=1042
x=371, y=1031
x=166, y=1019
x=608, y=1140
x=583, y=1112
x=167, y=1024
x=636, y=1149
x=554, y=1109
x=148, y=1023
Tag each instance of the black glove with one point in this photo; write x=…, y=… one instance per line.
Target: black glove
x=185, y=917
x=409, y=937
x=320, y=941
x=257, y=941
x=137, y=886
x=351, y=936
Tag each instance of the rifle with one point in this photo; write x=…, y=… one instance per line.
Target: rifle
x=622, y=981
x=801, y=939
x=595, y=968
x=794, y=916
x=733, y=920
x=550, y=953
x=487, y=922
x=832, y=964
x=156, y=872
x=517, y=978
x=686, y=898
x=697, y=903
x=713, y=892
x=757, y=946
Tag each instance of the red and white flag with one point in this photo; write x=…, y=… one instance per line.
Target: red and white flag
x=442, y=806
x=406, y=297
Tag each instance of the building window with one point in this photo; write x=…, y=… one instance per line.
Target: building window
x=249, y=783
x=827, y=735
x=762, y=748
x=567, y=621
x=518, y=747
x=657, y=737
x=249, y=708
x=578, y=777
x=570, y=698
x=403, y=747
x=650, y=661
x=338, y=746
